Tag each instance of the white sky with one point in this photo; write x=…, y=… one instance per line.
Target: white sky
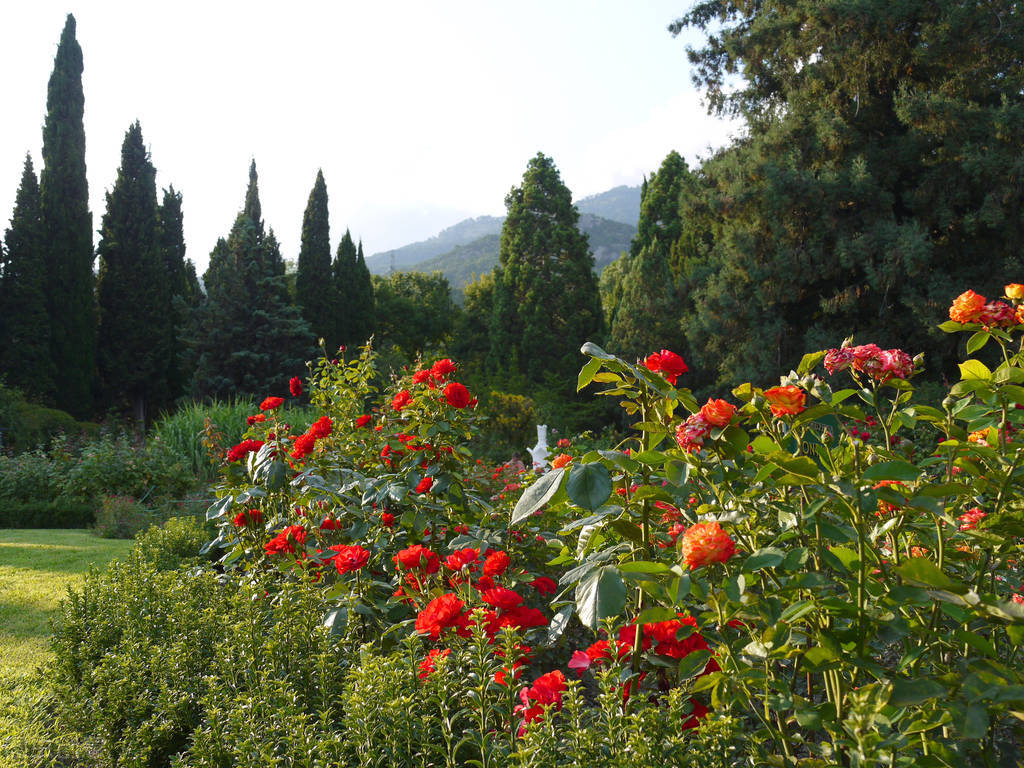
x=420, y=114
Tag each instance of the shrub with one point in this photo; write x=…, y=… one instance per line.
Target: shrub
x=120, y=517
x=174, y=543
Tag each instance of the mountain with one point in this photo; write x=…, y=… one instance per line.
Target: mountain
x=608, y=239
x=464, y=232
x=620, y=204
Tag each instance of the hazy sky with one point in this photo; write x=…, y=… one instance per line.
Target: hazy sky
x=420, y=114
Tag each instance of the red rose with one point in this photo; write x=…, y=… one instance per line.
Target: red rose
x=496, y=563
x=295, y=386
x=428, y=665
x=244, y=447
x=363, y=420
x=457, y=395
x=259, y=417
x=349, y=557
x=402, y=399
x=271, y=403
x=421, y=377
x=501, y=598
x=286, y=540
x=439, y=614
x=544, y=585
x=561, y=460
x=669, y=364
x=321, y=428
x=442, y=369
x=425, y=485
x=387, y=519
x=304, y=445
x=418, y=556
x=462, y=558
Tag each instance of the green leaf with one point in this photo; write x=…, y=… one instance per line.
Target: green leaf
x=891, y=470
x=277, y=476
x=651, y=458
x=975, y=370
x=219, y=507
x=908, y=692
x=628, y=530
x=809, y=362
x=977, y=341
x=601, y=594
x=677, y=473
x=644, y=566
x=975, y=722
x=693, y=663
x=587, y=372
x=656, y=614
x=537, y=495
x=589, y=485
x=952, y=326
x=558, y=624
x=766, y=557
x=923, y=571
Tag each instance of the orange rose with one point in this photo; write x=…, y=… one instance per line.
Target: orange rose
x=1014, y=291
x=786, y=401
x=717, y=413
x=706, y=543
x=967, y=307
x=561, y=460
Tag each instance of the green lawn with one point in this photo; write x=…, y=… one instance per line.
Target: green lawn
x=36, y=569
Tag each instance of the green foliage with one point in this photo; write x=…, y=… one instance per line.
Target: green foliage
x=545, y=294
x=175, y=542
x=28, y=425
x=879, y=173
x=67, y=231
x=132, y=289
x=246, y=338
x=199, y=434
x=357, y=310
x=120, y=517
x=315, y=290
x=183, y=288
x=414, y=311
x=24, y=323
x=511, y=422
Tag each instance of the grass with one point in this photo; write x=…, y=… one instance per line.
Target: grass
x=36, y=569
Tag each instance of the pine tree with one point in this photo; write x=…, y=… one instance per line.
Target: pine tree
x=24, y=323
x=879, y=177
x=647, y=315
x=315, y=289
x=546, y=302
x=355, y=316
x=67, y=231
x=246, y=337
x=133, y=288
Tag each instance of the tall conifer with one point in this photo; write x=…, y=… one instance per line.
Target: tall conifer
x=182, y=284
x=355, y=315
x=67, y=230
x=546, y=302
x=246, y=337
x=24, y=323
x=316, y=293
x=133, y=287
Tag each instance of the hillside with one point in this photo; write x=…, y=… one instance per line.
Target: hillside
x=607, y=240
x=621, y=204
x=466, y=231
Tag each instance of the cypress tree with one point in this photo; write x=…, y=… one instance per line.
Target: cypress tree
x=133, y=287
x=246, y=338
x=315, y=289
x=183, y=287
x=67, y=230
x=24, y=323
x=546, y=302
x=356, y=301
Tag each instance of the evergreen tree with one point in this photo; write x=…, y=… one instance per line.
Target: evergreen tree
x=315, y=289
x=416, y=311
x=246, y=337
x=355, y=317
x=24, y=323
x=546, y=302
x=647, y=314
x=183, y=287
x=879, y=177
x=133, y=288
x=67, y=231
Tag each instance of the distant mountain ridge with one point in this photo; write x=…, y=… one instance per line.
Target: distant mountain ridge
x=609, y=211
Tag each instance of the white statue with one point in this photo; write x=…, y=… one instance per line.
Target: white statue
x=539, y=452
